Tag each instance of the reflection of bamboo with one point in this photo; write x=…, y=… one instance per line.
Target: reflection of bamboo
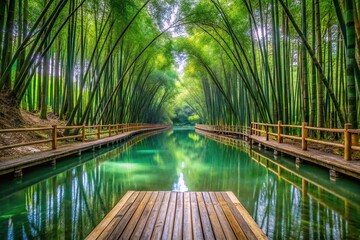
x=318, y=213
x=278, y=211
x=305, y=217
x=304, y=187
x=20, y=222
x=80, y=201
x=55, y=217
x=68, y=206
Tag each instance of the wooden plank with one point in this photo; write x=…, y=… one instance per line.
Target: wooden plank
x=195, y=217
x=160, y=221
x=149, y=227
x=250, y=221
x=170, y=217
x=230, y=217
x=216, y=226
x=239, y=218
x=144, y=217
x=136, y=217
x=187, y=228
x=204, y=216
x=119, y=215
x=222, y=218
x=120, y=226
x=166, y=215
x=179, y=213
x=112, y=214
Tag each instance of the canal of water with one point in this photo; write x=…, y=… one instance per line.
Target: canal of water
x=69, y=200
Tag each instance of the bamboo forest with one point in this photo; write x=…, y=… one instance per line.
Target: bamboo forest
x=182, y=119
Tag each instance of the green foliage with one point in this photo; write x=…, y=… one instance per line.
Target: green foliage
x=184, y=115
x=115, y=61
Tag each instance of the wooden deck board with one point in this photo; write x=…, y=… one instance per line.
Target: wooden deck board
x=144, y=217
x=187, y=232
x=195, y=217
x=328, y=160
x=119, y=226
x=179, y=212
x=218, y=231
x=229, y=234
x=175, y=215
x=160, y=221
x=204, y=216
x=13, y=164
x=170, y=216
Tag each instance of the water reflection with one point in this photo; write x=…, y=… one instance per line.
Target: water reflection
x=287, y=202
x=180, y=185
x=301, y=201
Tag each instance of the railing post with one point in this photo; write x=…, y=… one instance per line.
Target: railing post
x=117, y=129
x=267, y=132
x=304, y=135
x=109, y=128
x=347, y=142
x=83, y=133
x=279, y=132
x=98, y=131
x=54, y=137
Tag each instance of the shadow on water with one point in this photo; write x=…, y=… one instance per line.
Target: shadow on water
x=287, y=202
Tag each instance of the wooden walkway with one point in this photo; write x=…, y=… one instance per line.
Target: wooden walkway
x=177, y=215
x=16, y=165
x=328, y=160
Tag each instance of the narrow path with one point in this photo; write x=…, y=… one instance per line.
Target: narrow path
x=16, y=165
x=328, y=160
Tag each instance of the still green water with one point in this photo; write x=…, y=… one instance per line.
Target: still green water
x=68, y=201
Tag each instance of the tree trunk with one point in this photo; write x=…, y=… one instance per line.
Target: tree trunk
x=304, y=72
x=350, y=62
x=8, y=43
x=319, y=84
x=44, y=86
x=2, y=19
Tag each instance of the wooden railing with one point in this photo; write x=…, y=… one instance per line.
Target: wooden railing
x=81, y=132
x=224, y=128
x=276, y=131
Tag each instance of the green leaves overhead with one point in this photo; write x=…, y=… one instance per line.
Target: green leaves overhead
x=92, y=61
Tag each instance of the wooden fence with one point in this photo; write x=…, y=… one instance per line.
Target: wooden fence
x=348, y=142
x=224, y=128
x=348, y=137
x=82, y=132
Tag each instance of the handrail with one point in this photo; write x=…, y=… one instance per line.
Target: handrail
x=349, y=135
x=224, y=128
x=110, y=129
x=349, y=142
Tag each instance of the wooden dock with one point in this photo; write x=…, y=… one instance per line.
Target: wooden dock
x=178, y=215
x=16, y=165
x=328, y=160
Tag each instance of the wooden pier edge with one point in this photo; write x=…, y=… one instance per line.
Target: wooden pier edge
x=12, y=165
x=107, y=219
x=250, y=221
x=203, y=215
